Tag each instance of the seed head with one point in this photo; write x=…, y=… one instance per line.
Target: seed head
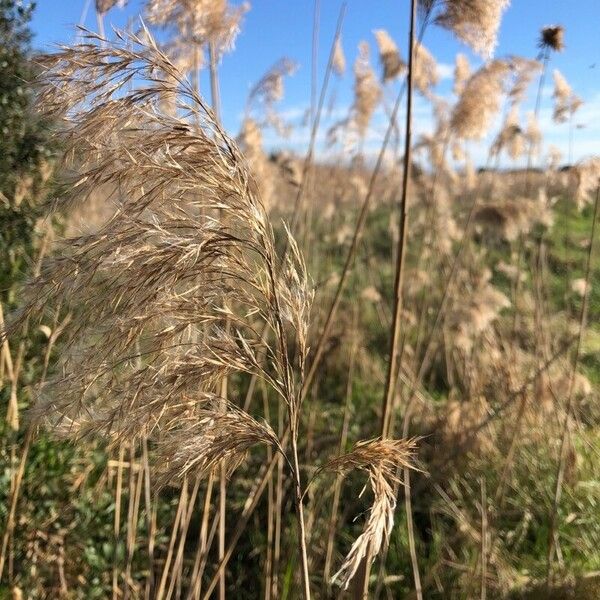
x=339, y=60
x=103, y=6
x=425, y=68
x=367, y=92
x=389, y=56
x=475, y=22
x=480, y=100
x=462, y=72
x=566, y=102
x=380, y=459
x=552, y=37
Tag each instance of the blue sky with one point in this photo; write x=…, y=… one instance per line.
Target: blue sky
x=277, y=28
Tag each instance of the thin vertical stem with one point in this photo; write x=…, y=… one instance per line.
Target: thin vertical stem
x=222, y=513
x=150, y=522
x=14, y=495
x=202, y=550
x=409, y=520
x=185, y=524
x=300, y=520
x=100, y=21
x=341, y=449
x=82, y=19
x=268, y=572
x=484, y=535
x=314, y=65
x=179, y=515
x=214, y=82
x=393, y=367
x=117, y=523
x=196, y=69
x=278, y=504
x=135, y=489
x=216, y=107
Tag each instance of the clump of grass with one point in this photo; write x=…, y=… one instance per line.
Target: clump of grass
x=173, y=293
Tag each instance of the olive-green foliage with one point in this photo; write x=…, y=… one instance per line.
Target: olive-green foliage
x=23, y=146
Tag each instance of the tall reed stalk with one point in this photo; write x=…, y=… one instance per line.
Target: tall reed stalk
x=394, y=368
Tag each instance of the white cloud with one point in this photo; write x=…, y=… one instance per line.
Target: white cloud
x=445, y=71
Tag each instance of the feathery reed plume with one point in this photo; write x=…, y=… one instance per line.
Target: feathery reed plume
x=371, y=294
x=189, y=249
x=587, y=179
x=436, y=143
x=510, y=137
x=470, y=174
x=458, y=152
x=554, y=157
x=469, y=321
x=250, y=142
x=462, y=72
x=533, y=133
x=381, y=459
x=566, y=103
x=474, y=22
x=211, y=437
x=552, y=37
x=442, y=223
x=426, y=74
x=523, y=70
x=158, y=276
x=509, y=218
x=480, y=100
x=389, y=56
x=196, y=22
x=579, y=286
x=339, y=59
x=367, y=92
x=268, y=91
